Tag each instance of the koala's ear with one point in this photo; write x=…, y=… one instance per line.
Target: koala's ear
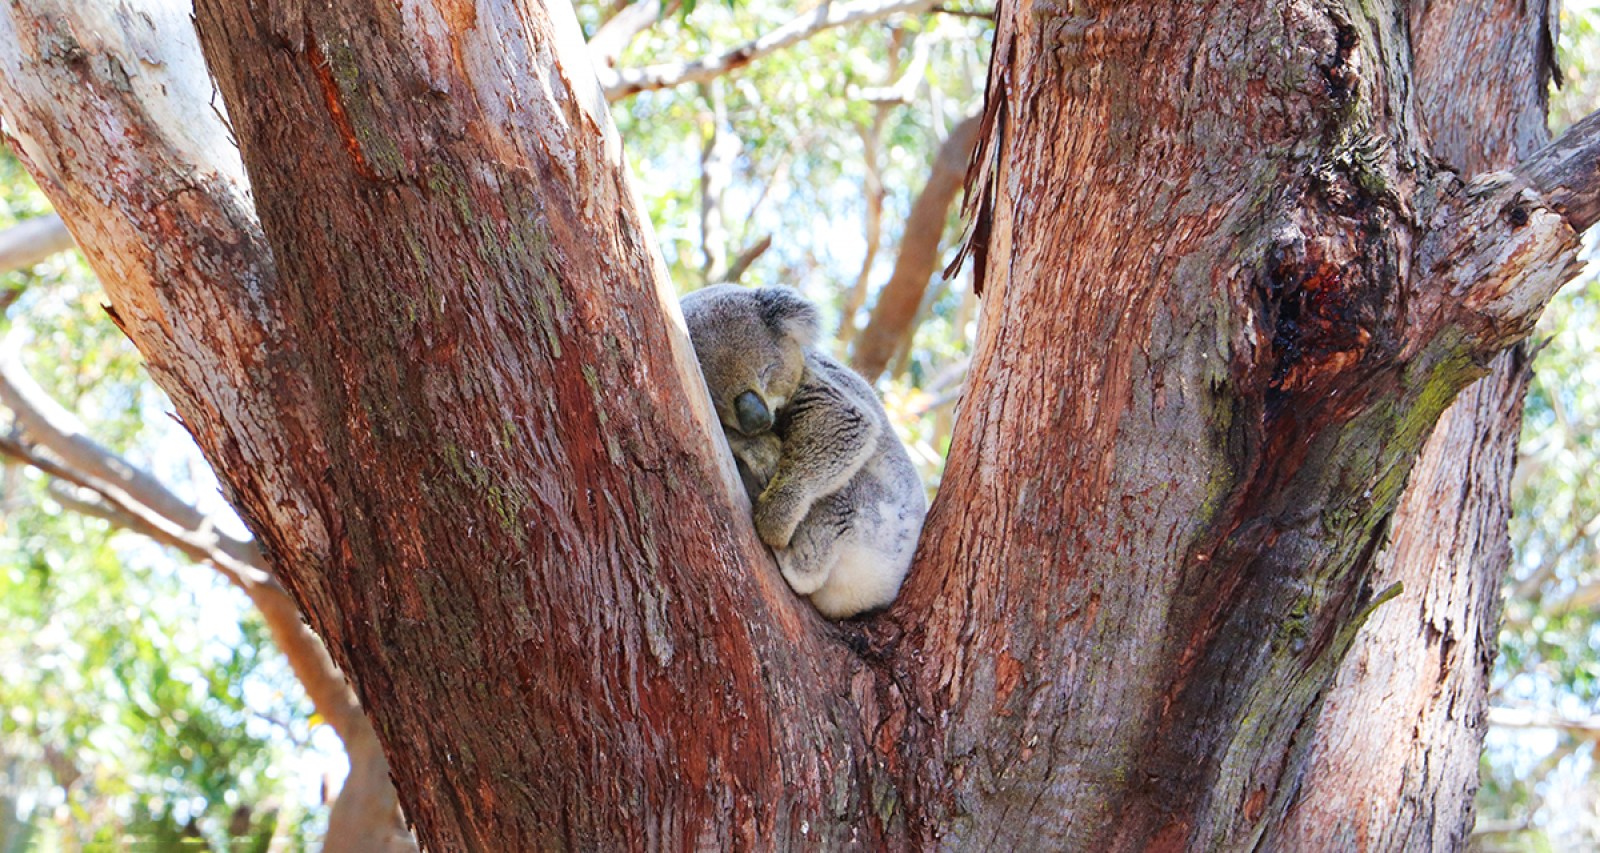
x=788, y=313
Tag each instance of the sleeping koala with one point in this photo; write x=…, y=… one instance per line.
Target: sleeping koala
x=835, y=494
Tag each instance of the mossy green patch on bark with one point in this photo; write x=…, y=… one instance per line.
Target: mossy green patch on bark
x=369, y=121
x=613, y=448
x=507, y=501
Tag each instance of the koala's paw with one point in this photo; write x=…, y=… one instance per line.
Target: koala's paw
x=804, y=572
x=777, y=513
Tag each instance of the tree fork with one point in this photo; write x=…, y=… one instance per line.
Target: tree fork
x=496, y=490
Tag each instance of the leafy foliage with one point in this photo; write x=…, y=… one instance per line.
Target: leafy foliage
x=1579, y=55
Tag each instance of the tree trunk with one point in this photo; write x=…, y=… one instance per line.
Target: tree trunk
x=111, y=110
x=1214, y=343
x=1395, y=766
x=1229, y=296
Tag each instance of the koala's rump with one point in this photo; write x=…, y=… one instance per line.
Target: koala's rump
x=857, y=543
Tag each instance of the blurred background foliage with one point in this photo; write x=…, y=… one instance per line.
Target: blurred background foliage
x=140, y=699
x=1540, y=786
x=142, y=706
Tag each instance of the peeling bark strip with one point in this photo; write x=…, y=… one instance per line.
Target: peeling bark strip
x=1219, y=240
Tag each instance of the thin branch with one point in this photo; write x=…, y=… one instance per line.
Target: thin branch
x=1502, y=827
x=962, y=13
x=716, y=175
x=1581, y=599
x=31, y=241
x=901, y=90
x=1531, y=587
x=747, y=257
x=133, y=499
x=894, y=314
x=1587, y=728
x=873, y=194
x=118, y=508
x=614, y=36
x=366, y=812
x=47, y=423
x=619, y=84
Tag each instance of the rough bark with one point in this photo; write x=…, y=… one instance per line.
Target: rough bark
x=1230, y=294
x=111, y=110
x=1395, y=766
x=458, y=296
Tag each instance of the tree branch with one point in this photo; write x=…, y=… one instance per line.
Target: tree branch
x=962, y=13
x=716, y=175
x=747, y=257
x=578, y=383
x=619, y=84
x=918, y=260
x=366, y=814
x=872, y=191
x=53, y=426
x=31, y=241
x=1587, y=728
x=614, y=36
x=1567, y=173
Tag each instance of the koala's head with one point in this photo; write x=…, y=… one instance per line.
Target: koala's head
x=750, y=342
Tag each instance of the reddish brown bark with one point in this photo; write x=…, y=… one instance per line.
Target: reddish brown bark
x=1216, y=337
x=139, y=167
x=1229, y=297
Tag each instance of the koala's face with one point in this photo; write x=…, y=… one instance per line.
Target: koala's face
x=750, y=342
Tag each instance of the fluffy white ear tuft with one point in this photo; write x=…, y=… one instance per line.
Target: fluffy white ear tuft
x=788, y=313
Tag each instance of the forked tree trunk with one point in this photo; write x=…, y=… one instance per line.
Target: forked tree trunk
x=1229, y=295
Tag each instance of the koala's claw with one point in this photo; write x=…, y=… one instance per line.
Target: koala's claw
x=776, y=519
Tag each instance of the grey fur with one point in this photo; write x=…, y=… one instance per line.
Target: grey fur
x=834, y=493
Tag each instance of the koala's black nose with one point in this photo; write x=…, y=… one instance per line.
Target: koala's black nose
x=753, y=415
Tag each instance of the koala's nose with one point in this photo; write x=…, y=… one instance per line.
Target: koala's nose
x=752, y=411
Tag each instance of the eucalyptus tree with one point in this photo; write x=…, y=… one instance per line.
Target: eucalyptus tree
x=1238, y=260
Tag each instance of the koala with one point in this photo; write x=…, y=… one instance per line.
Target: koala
x=835, y=495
